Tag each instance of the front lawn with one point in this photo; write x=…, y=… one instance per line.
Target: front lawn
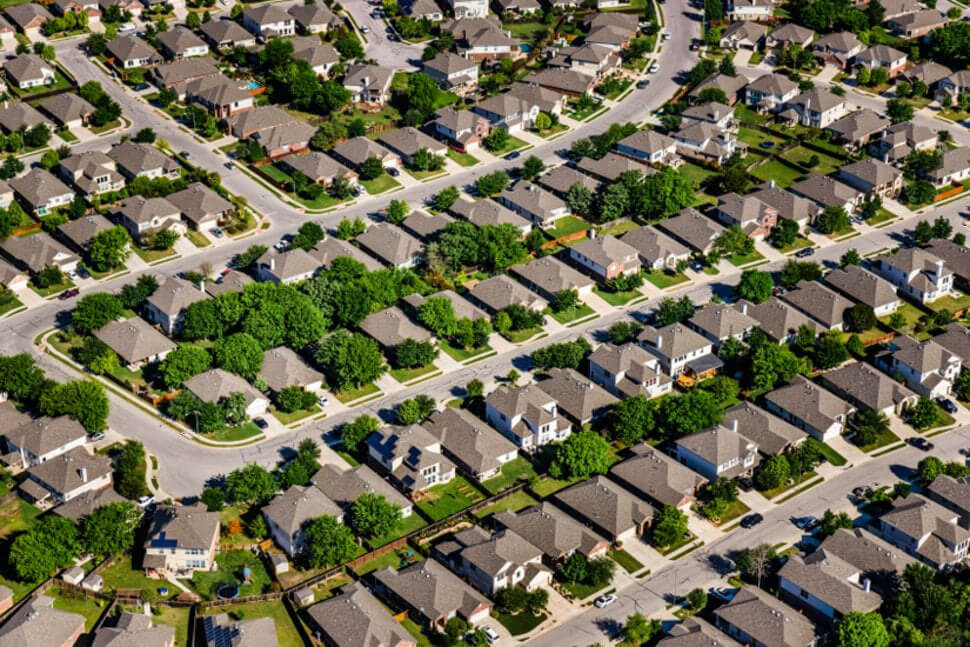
x=629, y=563
x=286, y=632
x=51, y=290
x=295, y=416
x=664, y=279
x=421, y=176
x=582, y=591
x=356, y=394
x=197, y=238
x=448, y=498
x=462, y=354
x=231, y=565
x=234, y=434
x=734, y=510
x=514, y=502
x=380, y=184
x=405, y=375
x=568, y=315
x=617, y=299
x=464, y=159
x=519, y=336
x=800, y=243
x=882, y=215
x=512, y=144
x=743, y=259
x=885, y=437
x=97, y=130
x=943, y=419
x=517, y=469
x=60, y=82
x=520, y=623
x=566, y=226
x=784, y=487
x=832, y=456
x=152, y=255
x=10, y=304
x=783, y=175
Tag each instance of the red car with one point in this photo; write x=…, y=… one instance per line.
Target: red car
x=67, y=294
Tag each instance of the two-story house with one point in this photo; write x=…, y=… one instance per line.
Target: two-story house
x=770, y=92
x=884, y=56
x=917, y=273
x=288, y=513
x=411, y=456
x=606, y=257
x=808, y=406
x=492, y=562
x=628, y=371
x=527, y=415
x=928, y=368
x=718, y=452
x=926, y=530
x=166, y=306
x=268, y=21
x=181, y=540
x=756, y=218
x=818, y=107
x=464, y=130
x=452, y=72
x=649, y=147
x=680, y=350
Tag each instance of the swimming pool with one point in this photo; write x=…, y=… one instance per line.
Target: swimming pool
x=252, y=85
x=525, y=47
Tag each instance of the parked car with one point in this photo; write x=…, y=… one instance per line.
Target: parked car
x=142, y=87
x=921, y=443
x=604, y=601
x=185, y=154
x=230, y=165
x=490, y=633
x=804, y=523
x=67, y=294
x=216, y=232
x=145, y=501
x=746, y=484
x=393, y=172
x=667, y=35
x=642, y=84
x=365, y=29
x=802, y=253
x=654, y=68
x=261, y=423
x=752, y=520
x=947, y=405
x=512, y=155
x=725, y=593
x=96, y=436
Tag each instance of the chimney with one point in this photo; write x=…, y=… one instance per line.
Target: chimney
x=866, y=584
x=660, y=340
x=201, y=285
x=83, y=472
x=734, y=425
x=744, y=307
x=591, y=233
x=771, y=183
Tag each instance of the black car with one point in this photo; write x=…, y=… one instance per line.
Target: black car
x=642, y=84
x=947, y=405
x=512, y=155
x=752, y=520
x=802, y=253
x=261, y=423
x=921, y=443
x=746, y=484
x=393, y=172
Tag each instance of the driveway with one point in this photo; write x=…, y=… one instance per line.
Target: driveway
x=386, y=52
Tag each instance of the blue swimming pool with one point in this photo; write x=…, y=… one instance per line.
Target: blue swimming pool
x=525, y=47
x=252, y=85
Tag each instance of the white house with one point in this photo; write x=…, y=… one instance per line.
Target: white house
x=918, y=273
x=527, y=415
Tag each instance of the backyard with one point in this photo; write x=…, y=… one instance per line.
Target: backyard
x=515, y=501
x=286, y=631
x=90, y=608
x=566, y=226
x=779, y=172
x=518, y=469
x=446, y=499
x=232, y=565
x=802, y=156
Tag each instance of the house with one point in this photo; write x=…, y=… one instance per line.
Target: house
x=715, y=113
x=329, y=249
x=166, y=306
x=391, y=245
x=719, y=322
x=680, y=350
x=789, y=206
x=288, y=513
x=28, y=18
x=283, y=368
x=229, y=281
x=289, y=266
x=215, y=384
x=29, y=71
x=224, y=34
x=345, y=486
x=424, y=10
x=320, y=168
x=500, y=292
x=553, y=531
x=826, y=192
x=865, y=287
x=695, y=632
x=67, y=476
x=607, y=508
x=314, y=18
x=606, y=257
x=475, y=448
x=770, y=92
x=717, y=452
x=649, y=147
x=611, y=166
x=408, y=141
x=826, y=586
x=268, y=21
x=86, y=503
x=89, y=7
x=130, y=52
x=221, y=96
x=896, y=8
x=135, y=342
x=956, y=258
x=591, y=60
x=926, y=530
x=731, y=86
x=693, y=229
x=956, y=339
x=749, y=10
x=369, y=84
x=321, y=57
x=468, y=8
x=858, y=128
x=928, y=368
x=219, y=630
x=873, y=178
x=134, y=629
x=19, y=117
x=40, y=191
x=952, y=86
x=492, y=562
x=628, y=371
x=819, y=412
x=431, y=594
x=884, y=56
x=488, y=212
x=141, y=160
x=527, y=415
x=614, y=30
x=67, y=109
x=39, y=251
x=39, y=440
x=181, y=540
x=141, y=216
x=771, y=434
x=548, y=276
x=518, y=108
x=451, y=72
x=789, y=34
x=15, y=279
x=357, y=150
x=201, y=206
x=929, y=73
x=705, y=142
x=37, y=622
x=746, y=34
x=181, y=42
x=918, y=273
x=6, y=195
x=918, y=24
x=580, y=399
x=952, y=493
x=355, y=618
x=462, y=308
x=91, y=173
x=658, y=478
x=134, y=7
x=657, y=251
x=520, y=7
x=481, y=38
x=756, y=218
x=390, y=327
x=875, y=559
x=252, y=122
x=754, y=617
x=463, y=129
x=818, y=107
x=7, y=36
x=570, y=82
x=286, y=139
x=426, y=227
x=954, y=167
x=820, y=303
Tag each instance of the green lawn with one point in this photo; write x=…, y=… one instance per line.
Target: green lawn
x=743, y=259
x=950, y=303
x=515, y=501
x=231, y=564
x=832, y=456
x=881, y=216
x=405, y=526
x=197, y=238
x=53, y=289
x=783, y=175
x=234, y=434
x=90, y=608
x=912, y=314
x=695, y=173
x=17, y=515
x=60, y=83
x=462, y=354
x=518, y=469
x=746, y=115
x=404, y=375
x=295, y=416
x=943, y=419
x=464, y=159
x=629, y=563
x=582, y=591
x=753, y=137
x=448, y=498
x=572, y=314
x=549, y=485
x=122, y=575
x=519, y=336
x=784, y=487
x=801, y=156
x=524, y=30
x=66, y=135
x=616, y=228
x=425, y=175
x=552, y=132
x=422, y=639
x=152, y=255
x=513, y=144
x=520, y=623
x=734, y=510
x=11, y=304
x=380, y=184
x=617, y=299
x=355, y=394
x=800, y=243
x=177, y=617
x=566, y=226
x=394, y=559
x=97, y=130
x=886, y=437
x=351, y=460
x=286, y=632
x=664, y=279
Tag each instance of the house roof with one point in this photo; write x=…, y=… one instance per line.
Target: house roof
x=930, y=524
x=470, y=439
x=529, y=401
x=787, y=204
x=929, y=72
x=860, y=124
x=868, y=553
x=413, y=448
x=457, y=120
x=868, y=386
x=956, y=257
x=693, y=229
x=40, y=436
x=38, y=186
x=355, y=618
x=367, y=75
x=37, y=622
x=951, y=161
x=199, y=203
x=133, y=630
x=770, y=433
x=141, y=158
x=674, y=340
x=389, y=327
x=27, y=67
x=766, y=619
x=606, y=505
x=745, y=30
x=22, y=15
x=174, y=295
x=532, y=198
x=87, y=502
x=66, y=107
x=818, y=99
x=390, y=243
x=653, y=244
x=215, y=384
x=828, y=578
x=282, y=367
x=956, y=339
x=487, y=212
x=842, y=41
x=730, y=85
x=872, y=172
x=914, y=260
x=257, y=119
x=291, y=135
x=297, y=505
x=140, y=210
x=658, y=476
x=551, y=530
x=232, y=281
x=559, y=78
x=551, y=275
x=185, y=69
x=499, y=292
x=862, y=286
x=65, y=473
x=446, y=63
x=313, y=15
x=721, y=321
x=463, y=308
x=611, y=166
x=289, y=264
x=345, y=486
x=696, y=632
x=496, y=553
x=408, y=141
x=432, y=588
x=426, y=226
x=182, y=527
x=37, y=251
x=179, y=39
x=792, y=33
x=357, y=150
x=578, y=396
x=953, y=493
x=561, y=178
x=606, y=250
x=311, y=50
x=809, y=402
x=221, y=630
x=719, y=445
x=266, y=14
x=134, y=339
x=332, y=248
x=818, y=302
x=880, y=54
x=919, y=19
x=223, y=30
x=126, y=48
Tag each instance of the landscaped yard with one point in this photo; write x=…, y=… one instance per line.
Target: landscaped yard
x=800, y=243
x=801, y=155
x=695, y=173
x=582, y=591
x=884, y=438
x=380, y=184
x=393, y=559
x=515, y=501
x=943, y=419
x=9, y=304
x=881, y=216
x=448, y=498
x=16, y=515
x=753, y=137
x=517, y=469
x=355, y=394
x=519, y=336
x=617, y=299
x=912, y=315
x=734, y=510
x=832, y=456
x=295, y=416
x=464, y=159
x=580, y=311
x=629, y=563
x=405, y=526
x=616, y=228
x=122, y=575
x=52, y=289
x=234, y=434
x=462, y=354
x=743, y=259
x=72, y=602
x=520, y=623
x=664, y=279
x=512, y=144
x=552, y=132
x=60, y=83
x=177, y=617
x=404, y=375
x=783, y=175
x=286, y=633
x=197, y=238
x=566, y=226
x=784, y=487
x=152, y=255
x=951, y=304
x=231, y=565
x=524, y=30
x=421, y=176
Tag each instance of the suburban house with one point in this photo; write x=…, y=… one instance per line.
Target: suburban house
x=808, y=406
x=220, y=629
x=519, y=107
x=431, y=594
x=499, y=292
x=928, y=368
x=320, y=168
x=865, y=287
x=37, y=622
x=956, y=258
x=826, y=585
x=427, y=227
x=818, y=108
x=215, y=384
x=289, y=512
x=141, y=216
x=39, y=251
x=720, y=322
x=731, y=86
x=20, y=116
x=356, y=618
x=135, y=341
x=929, y=73
x=838, y=48
x=286, y=139
x=130, y=52
x=268, y=21
x=628, y=371
x=756, y=218
x=554, y=532
x=866, y=388
x=956, y=339
x=181, y=540
x=391, y=245
x=390, y=326
x=649, y=147
x=718, y=452
x=452, y=72
x=657, y=251
x=494, y=561
x=693, y=229
x=357, y=150
x=343, y=487
x=475, y=447
x=548, y=276
x=580, y=399
x=283, y=368
x=680, y=350
x=607, y=508
x=918, y=24
x=875, y=559
x=820, y=303
x=41, y=191
x=369, y=84
x=884, y=56
x=658, y=478
x=321, y=57
x=738, y=10
x=527, y=415
x=489, y=212
x=926, y=530
x=826, y=192
x=704, y=141
x=954, y=167
x=771, y=434
x=29, y=71
x=202, y=207
x=38, y=440
x=181, y=42
x=952, y=493
x=570, y=82
x=134, y=629
x=481, y=39
x=746, y=34
x=29, y=18
x=91, y=173
x=67, y=109
x=411, y=456
x=221, y=96
x=605, y=257
x=67, y=477
x=408, y=141
x=141, y=160
x=314, y=18
x=536, y=204
x=329, y=249
x=251, y=122
x=918, y=273
x=464, y=130
x=462, y=308
x=858, y=128
x=770, y=92
x=695, y=632
x=754, y=617
x=15, y=279
x=789, y=34
x=612, y=165
x=224, y=34
x=873, y=177
x=424, y=10
x=714, y=113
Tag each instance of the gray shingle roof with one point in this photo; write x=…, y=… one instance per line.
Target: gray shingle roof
x=357, y=150
x=697, y=632
x=432, y=588
x=606, y=505
x=125, y=48
x=355, y=618
x=41, y=436
x=862, y=286
x=653, y=244
x=38, y=186
x=860, y=124
x=778, y=319
x=26, y=67
x=426, y=226
x=408, y=141
x=870, y=554
x=331, y=248
x=447, y=63
x=721, y=321
x=199, y=203
x=313, y=15
x=674, y=340
x=282, y=367
x=551, y=275
x=772, y=434
x=187, y=526
x=259, y=119
x=289, y=264
x=344, y=486
x=66, y=107
x=233, y=281
x=818, y=302
x=389, y=327
x=487, y=212
x=141, y=158
x=38, y=623
x=657, y=476
x=872, y=172
x=562, y=178
x=22, y=15
x=134, y=339
x=551, y=530
x=469, y=439
x=37, y=251
x=693, y=229
x=499, y=292
x=174, y=295
x=867, y=386
x=827, y=578
x=390, y=244
x=766, y=619
x=185, y=69
x=294, y=507
x=611, y=166
x=215, y=384
x=86, y=503
x=809, y=402
x=608, y=250
x=220, y=31
x=134, y=631
x=179, y=39
x=69, y=471
x=317, y=166
x=578, y=396
x=719, y=445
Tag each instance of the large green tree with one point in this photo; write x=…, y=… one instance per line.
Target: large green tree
x=669, y=526
x=580, y=456
x=860, y=629
x=352, y=434
x=251, y=483
x=109, y=249
x=373, y=515
x=182, y=363
x=95, y=310
x=329, y=542
x=52, y=544
x=83, y=400
x=239, y=353
x=110, y=529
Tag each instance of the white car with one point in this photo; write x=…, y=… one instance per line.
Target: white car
x=666, y=35
x=146, y=500
x=365, y=29
x=604, y=601
x=490, y=633
x=654, y=68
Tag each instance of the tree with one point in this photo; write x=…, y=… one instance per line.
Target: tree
x=697, y=599
x=562, y=355
x=580, y=456
x=415, y=410
x=350, y=360
x=496, y=140
x=831, y=522
x=329, y=542
x=438, y=314
x=252, y=484
x=941, y=228
x=859, y=629
x=96, y=44
x=352, y=434
x=565, y=300
x=11, y=167
x=373, y=515
x=753, y=562
x=183, y=362
x=962, y=385
x=94, y=311
x=637, y=629
x=928, y=469
x=412, y=354
x=674, y=311
x=130, y=468
x=397, y=211
x=712, y=94
x=294, y=398
x=350, y=229
x=83, y=400
x=239, y=353
x=832, y=219
x=755, y=286
x=924, y=413
x=623, y=331
x=492, y=183
x=773, y=472
x=785, y=233
x=308, y=235
x=688, y=413
x=632, y=419
x=50, y=545
x=861, y=317
x=542, y=122
x=109, y=249
x=214, y=498
x=851, y=257
x=532, y=167
x=371, y=169
x=899, y=111
x=579, y=199
x=669, y=526
x=110, y=529
x=446, y=198
x=920, y=192
x=829, y=350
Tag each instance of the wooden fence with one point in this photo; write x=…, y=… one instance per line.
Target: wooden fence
x=949, y=193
